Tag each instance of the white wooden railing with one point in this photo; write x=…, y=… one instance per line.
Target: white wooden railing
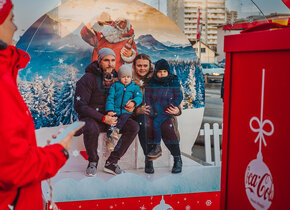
x=216, y=132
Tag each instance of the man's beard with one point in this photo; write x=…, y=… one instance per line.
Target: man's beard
x=108, y=79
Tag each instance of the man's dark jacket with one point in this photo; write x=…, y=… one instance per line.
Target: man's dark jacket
x=91, y=95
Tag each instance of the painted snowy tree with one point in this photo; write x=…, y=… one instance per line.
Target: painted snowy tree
x=37, y=105
x=65, y=112
x=41, y=104
x=50, y=101
x=193, y=90
x=39, y=96
x=199, y=87
x=25, y=91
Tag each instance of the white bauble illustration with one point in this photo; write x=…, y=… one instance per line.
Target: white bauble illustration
x=259, y=184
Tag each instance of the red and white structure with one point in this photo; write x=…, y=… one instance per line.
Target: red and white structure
x=255, y=162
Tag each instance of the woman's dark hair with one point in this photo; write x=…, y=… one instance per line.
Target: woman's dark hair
x=143, y=57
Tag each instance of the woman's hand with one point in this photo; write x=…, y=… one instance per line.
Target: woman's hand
x=174, y=110
x=144, y=109
x=130, y=106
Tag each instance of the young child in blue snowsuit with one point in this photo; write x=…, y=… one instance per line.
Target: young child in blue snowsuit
x=164, y=90
x=123, y=93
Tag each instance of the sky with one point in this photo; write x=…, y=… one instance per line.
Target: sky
x=246, y=8
x=28, y=11
x=71, y=14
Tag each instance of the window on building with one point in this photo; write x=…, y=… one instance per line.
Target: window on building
x=202, y=50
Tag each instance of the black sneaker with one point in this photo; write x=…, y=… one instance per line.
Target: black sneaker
x=113, y=168
x=155, y=152
x=92, y=169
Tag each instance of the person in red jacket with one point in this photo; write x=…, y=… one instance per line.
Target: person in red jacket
x=23, y=165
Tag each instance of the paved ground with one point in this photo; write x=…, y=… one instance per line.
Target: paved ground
x=213, y=114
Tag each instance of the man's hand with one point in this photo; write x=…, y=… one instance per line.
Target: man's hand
x=109, y=120
x=144, y=109
x=111, y=114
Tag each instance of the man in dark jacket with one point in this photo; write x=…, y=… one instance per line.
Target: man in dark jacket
x=90, y=100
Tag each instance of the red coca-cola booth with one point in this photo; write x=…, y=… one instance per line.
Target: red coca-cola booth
x=256, y=135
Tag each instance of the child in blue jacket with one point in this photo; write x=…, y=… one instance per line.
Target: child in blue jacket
x=123, y=93
x=163, y=91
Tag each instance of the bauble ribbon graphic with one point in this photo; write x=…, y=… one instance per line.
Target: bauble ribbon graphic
x=261, y=123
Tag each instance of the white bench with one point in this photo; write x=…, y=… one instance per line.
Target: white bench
x=133, y=158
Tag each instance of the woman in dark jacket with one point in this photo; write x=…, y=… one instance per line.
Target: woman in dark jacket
x=142, y=74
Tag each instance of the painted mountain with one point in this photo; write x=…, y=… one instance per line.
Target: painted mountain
x=48, y=50
x=148, y=45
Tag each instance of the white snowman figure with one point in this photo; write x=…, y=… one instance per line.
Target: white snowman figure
x=259, y=184
x=162, y=205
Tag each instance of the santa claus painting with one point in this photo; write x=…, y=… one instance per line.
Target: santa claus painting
x=117, y=35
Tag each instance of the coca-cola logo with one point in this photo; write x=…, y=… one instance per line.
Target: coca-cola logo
x=259, y=185
x=262, y=186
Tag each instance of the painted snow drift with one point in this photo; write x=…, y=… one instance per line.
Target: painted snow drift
x=59, y=53
x=203, y=179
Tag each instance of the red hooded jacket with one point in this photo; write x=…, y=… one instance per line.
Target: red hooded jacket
x=23, y=165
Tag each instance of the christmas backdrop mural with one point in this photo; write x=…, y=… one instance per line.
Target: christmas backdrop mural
x=65, y=40
x=61, y=44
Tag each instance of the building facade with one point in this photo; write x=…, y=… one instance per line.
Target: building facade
x=212, y=14
x=207, y=54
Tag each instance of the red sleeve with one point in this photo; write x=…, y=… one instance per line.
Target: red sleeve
x=89, y=37
x=21, y=161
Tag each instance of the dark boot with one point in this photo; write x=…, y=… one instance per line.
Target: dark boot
x=155, y=152
x=149, y=166
x=177, y=166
